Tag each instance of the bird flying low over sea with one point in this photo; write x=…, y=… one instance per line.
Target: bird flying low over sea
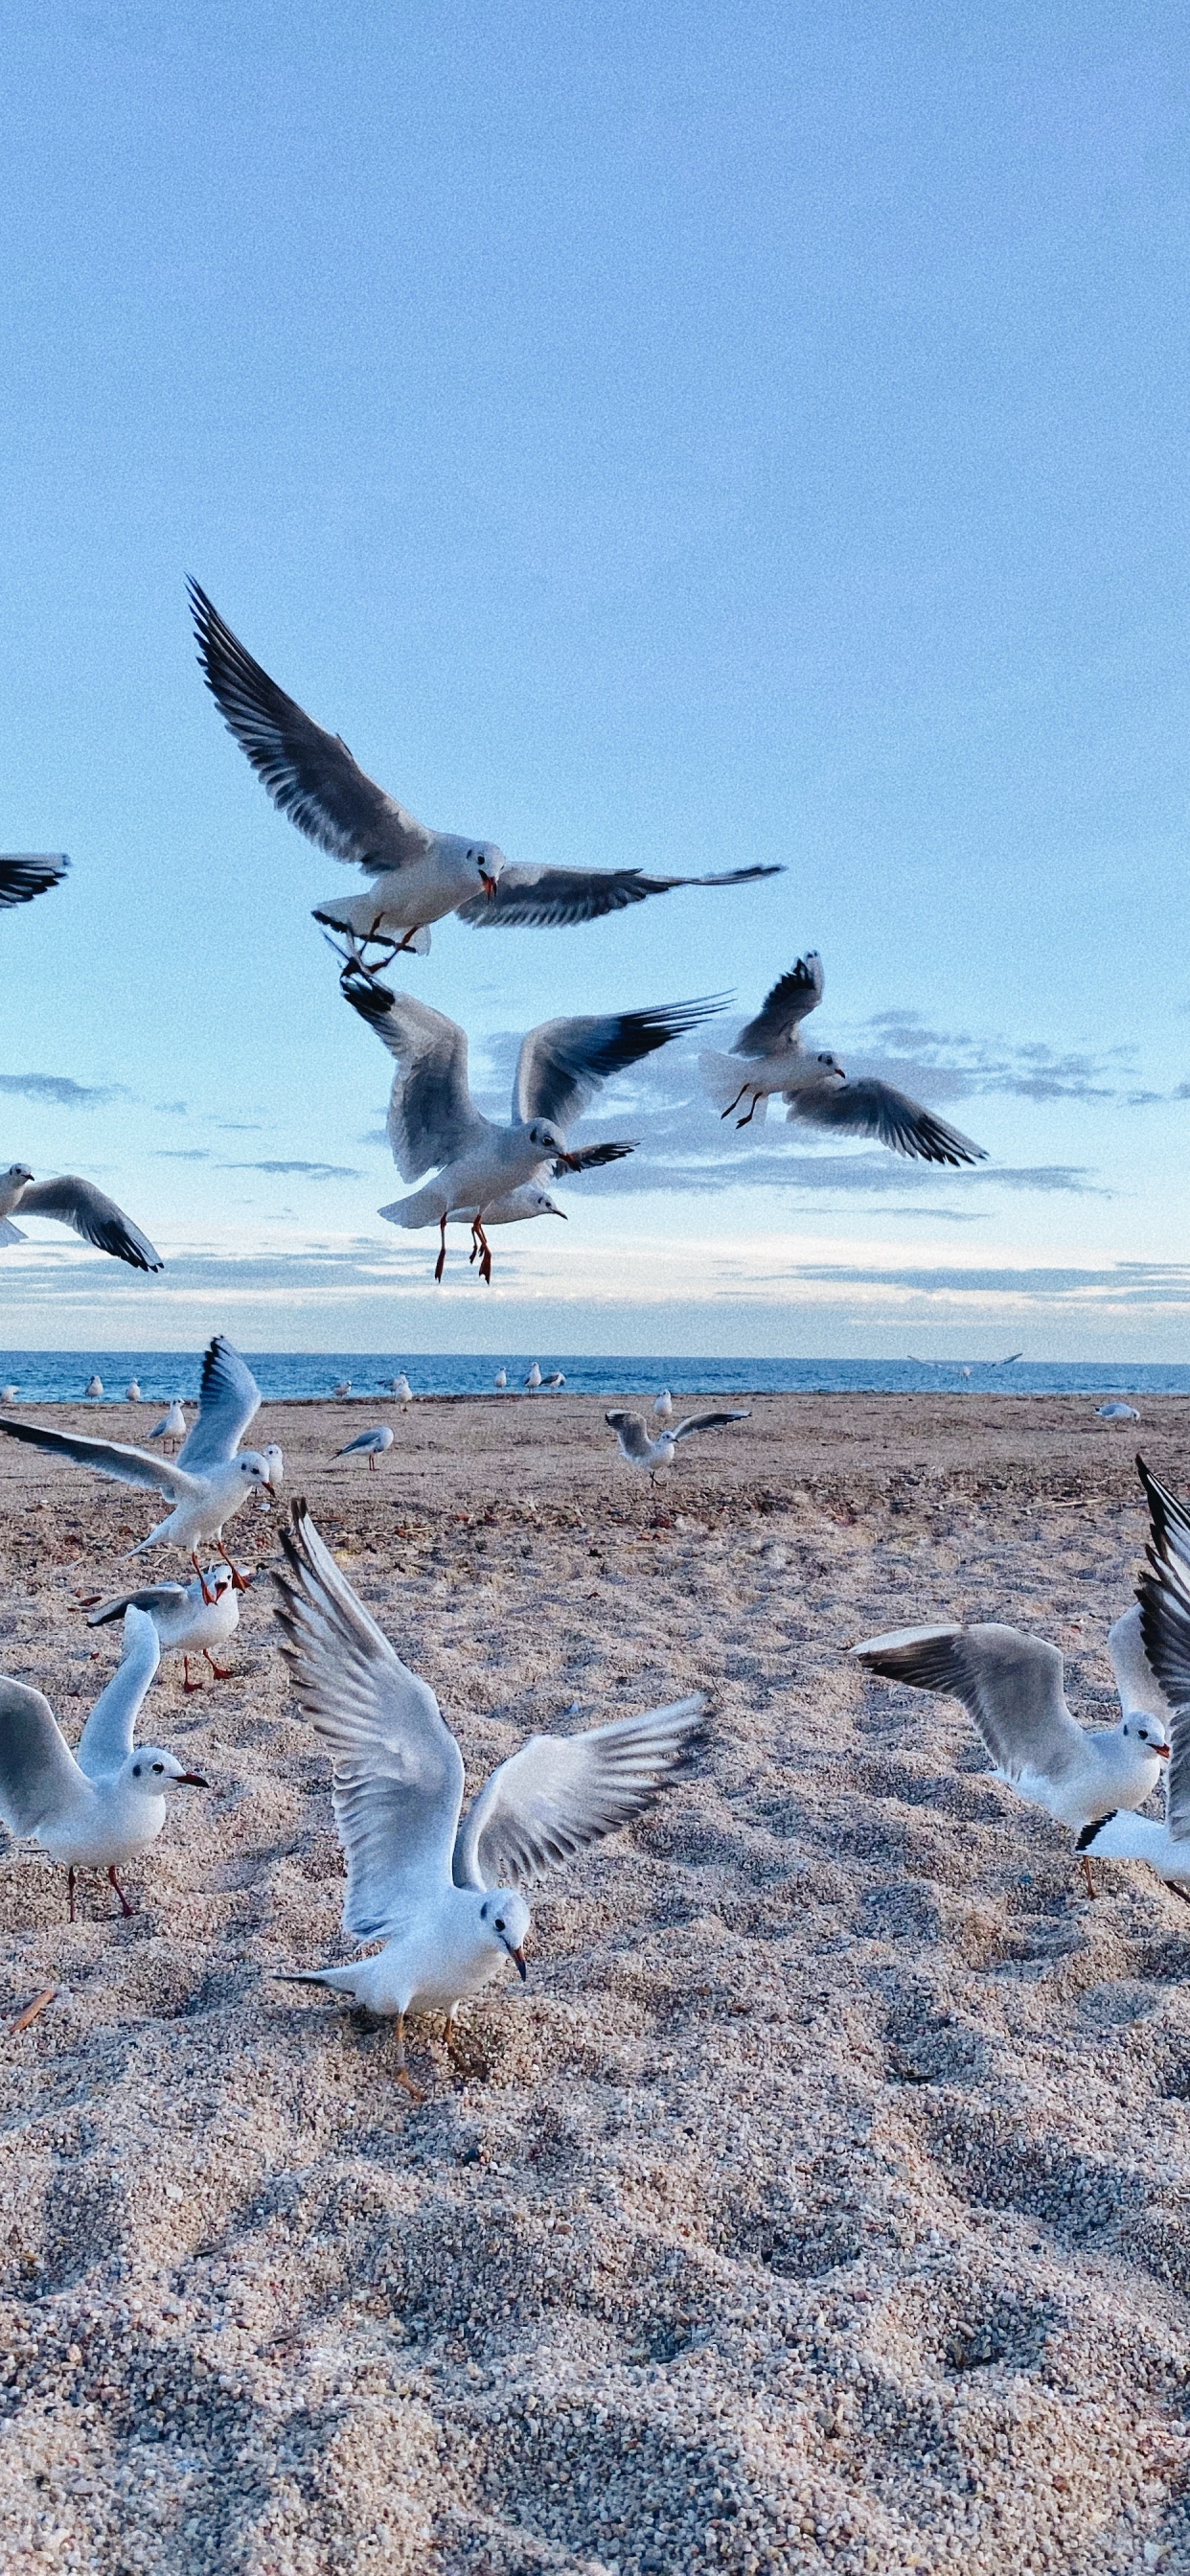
x=78, y=1204
x=189, y=1618
x=22, y=878
x=207, y=1481
x=638, y=1450
x=415, y=876
x=441, y=1890
x=105, y=1803
x=1164, y=1614
x=433, y=1120
x=768, y=1056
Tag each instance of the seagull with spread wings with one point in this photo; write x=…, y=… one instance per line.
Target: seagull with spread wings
x=75, y=1203
x=433, y=1120
x=443, y=1891
x=638, y=1450
x=23, y=878
x=769, y=1056
x=415, y=876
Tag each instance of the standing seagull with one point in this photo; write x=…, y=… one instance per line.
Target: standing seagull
x=500, y=1381
x=444, y=1894
x=663, y=1405
x=815, y=1087
x=415, y=876
x=1011, y=1684
x=206, y=1482
x=78, y=1204
x=173, y=1425
x=102, y=1806
x=370, y=1445
x=189, y=1618
x=400, y=1387
x=533, y=1378
x=22, y=878
x=632, y=1432
x=432, y=1119
x=132, y=1393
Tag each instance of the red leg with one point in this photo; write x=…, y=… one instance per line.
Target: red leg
x=485, y=1266
x=222, y=1672
x=187, y=1684
x=125, y=1907
x=237, y=1580
x=440, y=1263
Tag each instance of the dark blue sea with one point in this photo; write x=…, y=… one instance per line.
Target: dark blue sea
x=46, y=1377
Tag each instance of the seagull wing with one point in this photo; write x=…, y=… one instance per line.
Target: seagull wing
x=792, y=999
x=1009, y=1683
x=108, y=1458
x=310, y=774
x=38, y=1771
x=21, y=879
x=561, y=1792
x=398, y=1773
x=1164, y=1595
x=872, y=1108
x=228, y=1400
x=591, y=1158
x=633, y=1433
x=96, y=1218
x=1136, y=1682
x=432, y=1118
x=555, y=898
x=10, y=1233
x=705, y=1422
x=106, y=1739
x=153, y=1596
x=562, y=1063
x=1170, y=1518
x=364, y=1441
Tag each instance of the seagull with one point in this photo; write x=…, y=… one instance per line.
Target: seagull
x=132, y=1393
x=1117, y=1413
x=400, y=1387
x=433, y=1121
x=207, y=1481
x=343, y=1388
x=528, y=1201
x=414, y=876
x=1164, y=1614
x=632, y=1432
x=1011, y=1684
x=173, y=1424
x=533, y=1378
x=815, y=1087
x=9, y=1394
x=554, y=1384
x=443, y=1895
x=22, y=878
x=189, y=1618
x=371, y=1444
x=78, y=1204
x=103, y=1805
x=94, y=1386
x=500, y=1381
x=663, y=1405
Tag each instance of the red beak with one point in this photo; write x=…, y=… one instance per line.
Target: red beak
x=489, y=884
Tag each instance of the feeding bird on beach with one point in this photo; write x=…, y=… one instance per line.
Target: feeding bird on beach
x=1117, y=1413
x=444, y=1891
x=636, y=1447
x=415, y=876
x=370, y=1445
x=433, y=1120
x=1164, y=1614
x=189, y=1618
x=768, y=1056
x=78, y=1204
x=23, y=878
x=207, y=1481
x=99, y=1807
x=1011, y=1685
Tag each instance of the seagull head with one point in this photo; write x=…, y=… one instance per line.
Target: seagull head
x=255, y=1466
x=1149, y=1734
x=17, y=1175
x=831, y=1064
x=548, y=1139
x=489, y=861
x=150, y=1771
x=541, y=1204
x=506, y=1918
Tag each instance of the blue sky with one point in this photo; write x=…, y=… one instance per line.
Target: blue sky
x=671, y=435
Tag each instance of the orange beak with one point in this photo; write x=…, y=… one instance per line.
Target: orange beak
x=489, y=885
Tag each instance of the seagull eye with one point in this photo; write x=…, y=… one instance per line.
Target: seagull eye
x=159, y=1766
x=499, y=1923
x=136, y=1770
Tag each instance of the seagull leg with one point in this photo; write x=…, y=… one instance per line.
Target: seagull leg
x=125, y=1907
x=1092, y=1890
x=458, y=2055
x=208, y=1597
x=238, y=1583
x=222, y=1672
x=747, y=1121
x=400, y=2070
x=485, y=1266
x=71, y=1877
x=187, y=1684
x=440, y=1263
x=733, y=1104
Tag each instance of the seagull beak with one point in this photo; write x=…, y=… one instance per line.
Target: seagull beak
x=519, y=1956
x=553, y=1212
x=1162, y=1752
x=571, y=1162
x=192, y=1780
x=270, y=1488
x=489, y=885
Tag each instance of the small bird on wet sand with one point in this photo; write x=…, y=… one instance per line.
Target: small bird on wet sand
x=632, y=1432
x=78, y=1204
x=101, y=1807
x=768, y=1057
x=370, y=1444
x=443, y=1892
x=189, y=1618
x=554, y=1383
x=1011, y=1685
x=1164, y=1613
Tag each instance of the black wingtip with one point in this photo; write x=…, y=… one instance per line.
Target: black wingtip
x=1086, y=1840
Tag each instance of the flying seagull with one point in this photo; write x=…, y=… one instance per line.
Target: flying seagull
x=22, y=878
x=768, y=1056
x=415, y=876
x=632, y=1432
x=76, y=1203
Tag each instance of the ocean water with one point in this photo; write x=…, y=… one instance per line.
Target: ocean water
x=48, y=1377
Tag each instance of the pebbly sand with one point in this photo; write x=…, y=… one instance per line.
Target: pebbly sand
x=824, y=2201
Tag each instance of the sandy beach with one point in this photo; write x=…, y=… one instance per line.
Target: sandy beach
x=823, y=2199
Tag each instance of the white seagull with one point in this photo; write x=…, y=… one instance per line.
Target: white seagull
x=132, y=1393
x=433, y=1121
x=533, y=1378
x=343, y=1389
x=207, y=1481
x=94, y=1386
x=78, y=1204
x=22, y=878
x=500, y=1381
x=99, y=1808
x=173, y=1424
x=414, y=876
x=444, y=1894
x=1117, y=1413
x=9, y=1394
x=663, y=1405
x=1164, y=1592
x=768, y=1056
x=554, y=1383
x=189, y=1618
x=1011, y=1685
x=632, y=1432
x=400, y=1387
x=530, y=1199
x=370, y=1445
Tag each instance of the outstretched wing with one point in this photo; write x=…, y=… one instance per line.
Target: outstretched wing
x=1164, y=1596
x=152, y=1596
x=528, y=898
x=397, y=1784
x=432, y=1118
x=96, y=1218
x=791, y=999
x=561, y=1792
x=228, y=1400
x=633, y=1432
x=310, y=774
x=705, y=1422
x=22, y=878
x=591, y=1158
x=562, y=1063
x=1139, y=1690
x=106, y=1739
x=107, y=1458
x=1169, y=1516
x=38, y=1771
x=1011, y=1684
x=871, y=1108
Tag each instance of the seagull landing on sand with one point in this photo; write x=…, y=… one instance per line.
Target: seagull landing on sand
x=444, y=1895
x=189, y=1618
x=1164, y=1594
x=433, y=1121
x=100, y=1807
x=22, y=878
x=768, y=1056
x=1011, y=1685
x=75, y=1203
x=632, y=1432
x=414, y=876
x=207, y=1482
x=370, y=1445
